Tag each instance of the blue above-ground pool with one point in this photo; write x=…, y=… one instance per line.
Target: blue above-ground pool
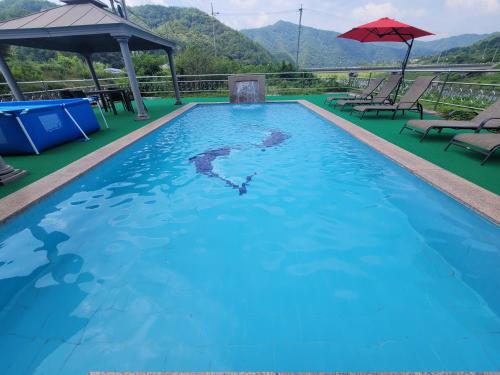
x=33, y=126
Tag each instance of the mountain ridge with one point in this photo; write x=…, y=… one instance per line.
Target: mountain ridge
x=322, y=48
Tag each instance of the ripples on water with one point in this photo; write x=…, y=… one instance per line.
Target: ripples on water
x=335, y=259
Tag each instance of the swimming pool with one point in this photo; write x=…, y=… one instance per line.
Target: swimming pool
x=249, y=238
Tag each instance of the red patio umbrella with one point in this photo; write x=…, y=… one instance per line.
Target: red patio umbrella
x=387, y=30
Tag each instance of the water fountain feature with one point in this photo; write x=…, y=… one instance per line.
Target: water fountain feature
x=247, y=88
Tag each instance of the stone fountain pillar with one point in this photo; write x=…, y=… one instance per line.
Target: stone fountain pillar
x=9, y=174
x=247, y=88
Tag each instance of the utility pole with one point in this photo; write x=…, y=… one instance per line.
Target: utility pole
x=213, y=27
x=298, y=38
x=125, y=11
x=112, y=2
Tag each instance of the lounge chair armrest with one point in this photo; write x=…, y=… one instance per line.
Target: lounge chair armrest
x=484, y=122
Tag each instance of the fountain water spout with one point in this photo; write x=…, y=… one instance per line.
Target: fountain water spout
x=247, y=88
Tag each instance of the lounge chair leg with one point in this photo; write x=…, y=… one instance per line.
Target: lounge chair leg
x=486, y=158
x=489, y=154
x=448, y=145
x=394, y=115
x=424, y=135
x=362, y=114
x=403, y=128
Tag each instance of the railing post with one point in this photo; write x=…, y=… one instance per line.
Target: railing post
x=45, y=89
x=442, y=90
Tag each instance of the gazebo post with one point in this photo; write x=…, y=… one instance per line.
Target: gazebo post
x=174, y=76
x=134, y=85
x=9, y=78
x=90, y=65
x=88, y=60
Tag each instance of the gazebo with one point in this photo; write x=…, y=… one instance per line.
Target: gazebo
x=84, y=27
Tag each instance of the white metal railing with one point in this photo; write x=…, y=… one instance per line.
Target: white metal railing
x=444, y=90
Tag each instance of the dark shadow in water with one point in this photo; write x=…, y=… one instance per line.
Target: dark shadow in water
x=47, y=310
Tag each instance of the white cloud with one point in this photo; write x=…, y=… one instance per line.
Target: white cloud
x=144, y=2
x=243, y=4
x=478, y=5
x=371, y=11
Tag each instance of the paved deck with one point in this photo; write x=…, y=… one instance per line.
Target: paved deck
x=458, y=161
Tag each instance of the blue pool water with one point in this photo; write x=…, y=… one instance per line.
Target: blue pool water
x=249, y=238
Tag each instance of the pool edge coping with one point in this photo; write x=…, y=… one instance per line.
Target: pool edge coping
x=20, y=200
x=295, y=373
x=482, y=201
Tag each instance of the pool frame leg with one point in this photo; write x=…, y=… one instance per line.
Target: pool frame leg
x=76, y=123
x=26, y=134
x=102, y=114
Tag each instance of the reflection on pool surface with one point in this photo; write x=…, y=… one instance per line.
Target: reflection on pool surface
x=333, y=259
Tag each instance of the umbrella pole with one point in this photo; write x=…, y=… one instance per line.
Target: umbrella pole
x=403, y=66
x=407, y=57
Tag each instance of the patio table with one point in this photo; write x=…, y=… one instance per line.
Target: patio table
x=107, y=102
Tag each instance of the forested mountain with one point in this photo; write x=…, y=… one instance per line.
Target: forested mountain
x=189, y=27
x=192, y=27
x=443, y=44
x=322, y=48
x=18, y=8
x=484, y=51
x=319, y=48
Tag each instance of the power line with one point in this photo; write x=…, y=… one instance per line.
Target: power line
x=321, y=12
x=257, y=13
x=298, y=37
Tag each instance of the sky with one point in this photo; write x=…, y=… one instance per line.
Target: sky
x=443, y=17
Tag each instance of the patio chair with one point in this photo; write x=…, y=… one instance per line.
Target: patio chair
x=484, y=143
x=408, y=102
x=489, y=119
x=382, y=97
x=80, y=94
x=365, y=94
x=66, y=94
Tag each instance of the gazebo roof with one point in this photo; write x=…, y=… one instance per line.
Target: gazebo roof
x=82, y=26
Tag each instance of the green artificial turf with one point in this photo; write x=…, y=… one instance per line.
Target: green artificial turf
x=457, y=160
